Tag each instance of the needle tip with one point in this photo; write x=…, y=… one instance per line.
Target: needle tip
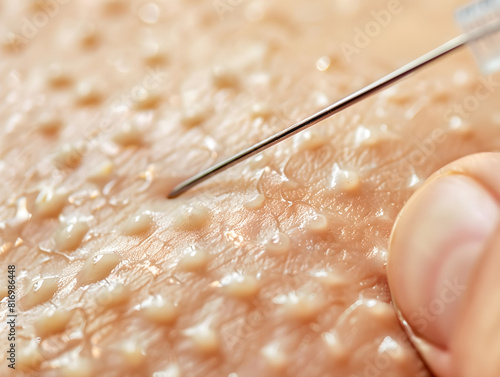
x=175, y=193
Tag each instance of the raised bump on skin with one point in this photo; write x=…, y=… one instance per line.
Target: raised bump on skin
x=79, y=367
x=97, y=267
x=133, y=354
x=192, y=217
x=129, y=136
x=39, y=292
x=50, y=202
x=279, y=244
x=172, y=370
x=345, y=180
x=139, y=224
x=318, y=224
x=113, y=295
x=256, y=202
x=159, y=310
x=52, y=322
x=240, y=286
x=70, y=234
x=195, y=260
x=204, y=338
x=274, y=356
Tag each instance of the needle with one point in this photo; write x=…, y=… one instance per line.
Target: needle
x=336, y=107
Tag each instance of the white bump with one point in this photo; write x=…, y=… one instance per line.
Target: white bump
x=81, y=367
x=68, y=156
x=52, y=322
x=87, y=94
x=194, y=116
x=274, y=356
x=260, y=110
x=113, y=295
x=40, y=292
x=49, y=202
x=382, y=311
x=336, y=349
x=308, y=140
x=159, y=310
x=195, y=260
x=57, y=77
x=223, y=78
x=318, y=224
x=128, y=136
x=345, y=180
x=192, y=217
x=147, y=100
x=153, y=53
x=70, y=234
x=256, y=202
x=279, y=244
x=133, y=354
x=97, y=267
x=29, y=356
x=172, y=370
x=259, y=161
x=372, y=136
x=240, y=286
x=393, y=349
x=139, y=224
x=149, y=13
x=49, y=123
x=101, y=174
x=204, y=337
x=299, y=306
x=323, y=63
x=331, y=279
x=459, y=126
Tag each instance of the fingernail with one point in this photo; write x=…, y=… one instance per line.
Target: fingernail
x=438, y=238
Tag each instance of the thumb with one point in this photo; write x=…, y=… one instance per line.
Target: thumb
x=444, y=268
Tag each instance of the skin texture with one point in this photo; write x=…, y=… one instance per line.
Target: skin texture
x=276, y=267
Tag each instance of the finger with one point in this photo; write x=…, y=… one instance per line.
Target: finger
x=438, y=241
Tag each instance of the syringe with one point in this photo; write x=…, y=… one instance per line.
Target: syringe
x=480, y=22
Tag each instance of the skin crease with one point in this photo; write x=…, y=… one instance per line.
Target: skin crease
x=277, y=266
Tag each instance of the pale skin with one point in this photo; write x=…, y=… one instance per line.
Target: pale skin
x=276, y=267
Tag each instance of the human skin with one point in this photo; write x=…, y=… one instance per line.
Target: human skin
x=275, y=267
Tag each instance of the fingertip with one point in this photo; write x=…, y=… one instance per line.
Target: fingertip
x=437, y=240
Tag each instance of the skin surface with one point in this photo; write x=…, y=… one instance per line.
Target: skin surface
x=275, y=267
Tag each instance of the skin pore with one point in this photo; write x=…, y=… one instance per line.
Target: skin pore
x=275, y=267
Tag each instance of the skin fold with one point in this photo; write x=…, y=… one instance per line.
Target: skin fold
x=276, y=267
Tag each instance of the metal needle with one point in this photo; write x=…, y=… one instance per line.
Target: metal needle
x=327, y=112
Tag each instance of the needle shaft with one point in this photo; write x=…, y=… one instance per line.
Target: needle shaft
x=327, y=112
